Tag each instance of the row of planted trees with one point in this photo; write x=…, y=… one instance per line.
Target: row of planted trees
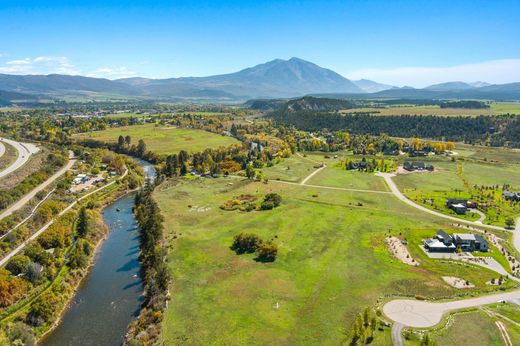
x=145, y=329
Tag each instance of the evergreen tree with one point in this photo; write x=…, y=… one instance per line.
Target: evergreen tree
x=82, y=226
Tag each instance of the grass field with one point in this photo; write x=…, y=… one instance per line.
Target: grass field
x=332, y=263
x=163, y=140
x=457, y=180
x=496, y=108
x=473, y=328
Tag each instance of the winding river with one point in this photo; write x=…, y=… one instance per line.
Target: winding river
x=109, y=297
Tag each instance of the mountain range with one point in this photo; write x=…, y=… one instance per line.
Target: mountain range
x=275, y=79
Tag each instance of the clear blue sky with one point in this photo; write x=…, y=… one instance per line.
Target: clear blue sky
x=195, y=38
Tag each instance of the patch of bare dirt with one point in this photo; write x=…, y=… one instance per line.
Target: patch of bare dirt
x=457, y=282
x=399, y=250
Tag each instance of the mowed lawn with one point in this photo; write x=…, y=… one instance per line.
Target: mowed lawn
x=162, y=139
x=332, y=263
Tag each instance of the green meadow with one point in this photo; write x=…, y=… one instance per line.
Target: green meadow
x=332, y=263
x=163, y=139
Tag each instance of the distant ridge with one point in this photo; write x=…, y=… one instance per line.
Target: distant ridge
x=276, y=79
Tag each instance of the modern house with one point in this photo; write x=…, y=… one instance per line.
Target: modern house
x=460, y=206
x=417, y=166
x=443, y=242
x=470, y=242
x=511, y=196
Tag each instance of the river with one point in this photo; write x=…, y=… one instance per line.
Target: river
x=109, y=297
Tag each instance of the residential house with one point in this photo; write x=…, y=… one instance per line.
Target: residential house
x=417, y=166
x=511, y=196
x=470, y=242
x=442, y=242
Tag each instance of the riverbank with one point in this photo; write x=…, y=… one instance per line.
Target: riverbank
x=87, y=270
x=98, y=296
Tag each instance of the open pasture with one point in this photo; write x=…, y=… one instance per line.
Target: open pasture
x=332, y=261
x=163, y=139
x=497, y=108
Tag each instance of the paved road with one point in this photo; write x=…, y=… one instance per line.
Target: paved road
x=398, y=194
x=516, y=236
x=35, y=235
x=22, y=201
x=397, y=337
x=2, y=149
x=28, y=216
x=481, y=215
x=25, y=150
x=422, y=314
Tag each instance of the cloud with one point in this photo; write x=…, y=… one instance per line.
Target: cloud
x=493, y=71
x=60, y=65
x=40, y=65
x=112, y=72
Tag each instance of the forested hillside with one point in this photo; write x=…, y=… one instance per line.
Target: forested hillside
x=497, y=131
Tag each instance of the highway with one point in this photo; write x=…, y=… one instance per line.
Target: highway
x=25, y=150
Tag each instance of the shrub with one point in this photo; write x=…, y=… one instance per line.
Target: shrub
x=245, y=243
x=267, y=205
x=275, y=198
x=266, y=252
x=18, y=264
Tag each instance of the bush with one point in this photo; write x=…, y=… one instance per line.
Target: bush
x=267, y=205
x=275, y=198
x=246, y=243
x=266, y=252
x=18, y=264
x=21, y=334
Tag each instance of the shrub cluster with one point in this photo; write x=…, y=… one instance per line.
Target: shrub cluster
x=250, y=243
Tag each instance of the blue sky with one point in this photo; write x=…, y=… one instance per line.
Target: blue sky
x=399, y=42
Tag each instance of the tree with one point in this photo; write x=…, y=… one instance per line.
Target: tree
x=128, y=140
x=79, y=255
x=141, y=148
x=184, y=169
x=42, y=309
x=510, y=222
x=21, y=334
x=83, y=226
x=233, y=130
x=266, y=252
x=250, y=172
x=120, y=142
x=426, y=340
x=18, y=264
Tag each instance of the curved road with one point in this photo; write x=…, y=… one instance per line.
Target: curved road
x=21, y=202
x=36, y=234
x=25, y=150
x=2, y=149
x=422, y=314
x=398, y=194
